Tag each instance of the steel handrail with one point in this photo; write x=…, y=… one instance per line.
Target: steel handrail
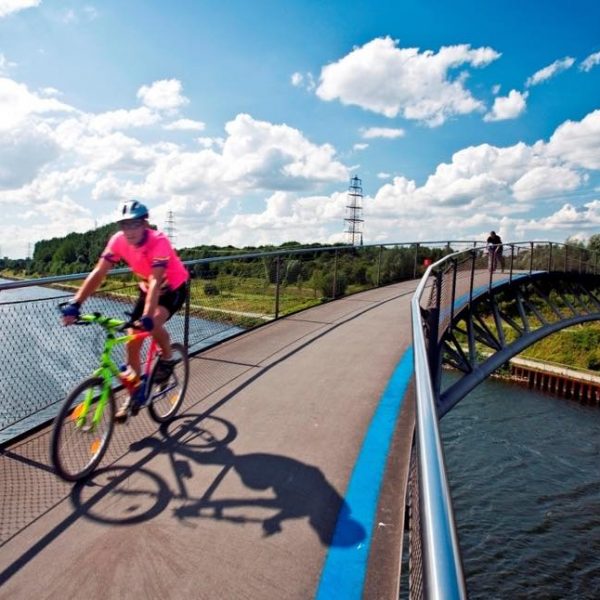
x=196, y=261
x=442, y=565
x=443, y=574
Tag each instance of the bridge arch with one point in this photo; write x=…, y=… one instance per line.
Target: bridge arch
x=478, y=316
x=505, y=318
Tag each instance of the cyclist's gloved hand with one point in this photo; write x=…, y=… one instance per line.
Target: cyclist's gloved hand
x=145, y=322
x=70, y=311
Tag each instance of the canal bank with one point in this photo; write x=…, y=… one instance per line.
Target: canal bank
x=559, y=380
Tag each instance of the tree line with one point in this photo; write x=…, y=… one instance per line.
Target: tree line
x=79, y=252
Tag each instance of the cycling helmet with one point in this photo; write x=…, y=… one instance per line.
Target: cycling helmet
x=131, y=209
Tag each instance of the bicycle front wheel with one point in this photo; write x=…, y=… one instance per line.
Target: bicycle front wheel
x=166, y=398
x=81, y=435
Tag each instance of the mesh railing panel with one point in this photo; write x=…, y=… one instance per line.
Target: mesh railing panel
x=41, y=361
x=415, y=547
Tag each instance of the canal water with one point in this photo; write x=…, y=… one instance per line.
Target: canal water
x=524, y=472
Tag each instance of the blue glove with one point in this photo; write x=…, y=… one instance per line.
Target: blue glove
x=146, y=323
x=71, y=309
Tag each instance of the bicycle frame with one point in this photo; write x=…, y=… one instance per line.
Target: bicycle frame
x=108, y=368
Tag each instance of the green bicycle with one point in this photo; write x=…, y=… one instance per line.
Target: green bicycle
x=84, y=425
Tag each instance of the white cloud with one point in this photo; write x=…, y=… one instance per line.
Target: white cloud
x=550, y=71
x=360, y=146
x=185, y=125
x=17, y=104
x=590, y=62
x=307, y=81
x=578, y=142
x=52, y=154
x=507, y=107
x=390, y=80
x=122, y=119
x=545, y=181
x=287, y=217
x=50, y=92
x=165, y=94
x=382, y=132
x=277, y=155
x=565, y=219
x=23, y=152
x=11, y=6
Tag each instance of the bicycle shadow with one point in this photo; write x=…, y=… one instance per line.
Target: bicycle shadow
x=298, y=490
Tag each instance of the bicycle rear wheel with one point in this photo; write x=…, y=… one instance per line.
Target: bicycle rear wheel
x=77, y=445
x=166, y=398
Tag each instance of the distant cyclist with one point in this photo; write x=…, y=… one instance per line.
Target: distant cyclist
x=494, y=246
x=163, y=279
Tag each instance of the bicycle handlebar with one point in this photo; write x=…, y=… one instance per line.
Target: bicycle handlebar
x=105, y=322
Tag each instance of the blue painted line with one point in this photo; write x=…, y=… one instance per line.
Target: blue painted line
x=345, y=567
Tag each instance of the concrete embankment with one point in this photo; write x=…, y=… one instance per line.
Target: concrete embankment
x=559, y=380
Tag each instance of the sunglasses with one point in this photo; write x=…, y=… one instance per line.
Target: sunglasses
x=131, y=225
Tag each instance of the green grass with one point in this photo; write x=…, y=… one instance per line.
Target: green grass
x=577, y=346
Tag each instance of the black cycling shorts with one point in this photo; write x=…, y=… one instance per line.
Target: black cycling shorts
x=172, y=300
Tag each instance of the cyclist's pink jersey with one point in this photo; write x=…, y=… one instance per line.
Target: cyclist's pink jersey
x=155, y=251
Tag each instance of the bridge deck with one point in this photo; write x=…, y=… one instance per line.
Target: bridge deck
x=239, y=496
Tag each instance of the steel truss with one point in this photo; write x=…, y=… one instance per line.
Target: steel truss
x=504, y=319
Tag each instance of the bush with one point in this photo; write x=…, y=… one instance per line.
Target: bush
x=593, y=362
x=210, y=289
x=326, y=285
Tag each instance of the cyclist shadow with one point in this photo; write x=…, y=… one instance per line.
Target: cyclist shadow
x=298, y=490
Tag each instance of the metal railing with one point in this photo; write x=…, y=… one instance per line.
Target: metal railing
x=40, y=361
x=447, y=285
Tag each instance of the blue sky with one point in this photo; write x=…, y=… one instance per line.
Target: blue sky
x=247, y=119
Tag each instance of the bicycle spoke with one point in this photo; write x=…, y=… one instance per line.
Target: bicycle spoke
x=79, y=442
x=167, y=397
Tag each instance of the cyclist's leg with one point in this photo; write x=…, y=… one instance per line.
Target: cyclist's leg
x=168, y=304
x=133, y=350
x=159, y=333
x=134, y=346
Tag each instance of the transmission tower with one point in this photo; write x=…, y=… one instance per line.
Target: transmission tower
x=354, y=207
x=170, y=227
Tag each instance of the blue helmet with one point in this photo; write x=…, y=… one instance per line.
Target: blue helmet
x=131, y=209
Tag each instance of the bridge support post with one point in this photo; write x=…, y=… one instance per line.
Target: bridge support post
x=335, y=272
x=277, y=285
x=433, y=346
x=416, y=261
x=186, y=319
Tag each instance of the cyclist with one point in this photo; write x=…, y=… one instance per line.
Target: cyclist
x=163, y=280
x=494, y=246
